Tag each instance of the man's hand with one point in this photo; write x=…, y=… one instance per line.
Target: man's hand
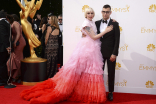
x=112, y=58
x=83, y=35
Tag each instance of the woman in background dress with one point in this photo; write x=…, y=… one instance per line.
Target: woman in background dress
x=42, y=33
x=51, y=50
x=18, y=46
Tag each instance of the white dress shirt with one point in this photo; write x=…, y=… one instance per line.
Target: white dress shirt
x=103, y=25
x=4, y=19
x=61, y=26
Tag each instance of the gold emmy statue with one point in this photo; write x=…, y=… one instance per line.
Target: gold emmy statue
x=33, y=68
x=30, y=10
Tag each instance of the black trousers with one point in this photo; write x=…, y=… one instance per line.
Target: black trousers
x=3, y=67
x=111, y=73
x=60, y=56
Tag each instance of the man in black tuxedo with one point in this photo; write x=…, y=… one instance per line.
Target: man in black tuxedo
x=4, y=49
x=109, y=45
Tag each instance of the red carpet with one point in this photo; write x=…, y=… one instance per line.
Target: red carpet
x=11, y=96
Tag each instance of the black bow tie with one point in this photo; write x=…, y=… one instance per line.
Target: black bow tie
x=60, y=24
x=104, y=21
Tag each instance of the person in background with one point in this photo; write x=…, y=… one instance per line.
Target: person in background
x=18, y=46
x=49, y=16
x=42, y=27
x=42, y=33
x=60, y=51
x=51, y=50
x=36, y=24
x=60, y=22
x=3, y=10
x=4, y=49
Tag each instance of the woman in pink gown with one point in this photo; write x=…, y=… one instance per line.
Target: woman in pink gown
x=81, y=78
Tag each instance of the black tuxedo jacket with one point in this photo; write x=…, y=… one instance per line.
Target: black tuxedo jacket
x=4, y=35
x=110, y=41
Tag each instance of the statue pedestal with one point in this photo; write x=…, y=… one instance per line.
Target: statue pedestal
x=33, y=71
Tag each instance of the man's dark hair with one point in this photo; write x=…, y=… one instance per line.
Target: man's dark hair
x=60, y=15
x=10, y=18
x=50, y=14
x=43, y=21
x=4, y=11
x=38, y=13
x=107, y=6
x=16, y=18
x=2, y=14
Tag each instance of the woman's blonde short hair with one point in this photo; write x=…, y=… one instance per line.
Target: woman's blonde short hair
x=87, y=10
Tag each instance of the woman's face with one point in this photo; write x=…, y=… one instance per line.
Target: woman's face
x=90, y=15
x=49, y=20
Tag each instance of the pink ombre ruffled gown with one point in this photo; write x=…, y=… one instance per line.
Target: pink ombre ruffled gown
x=79, y=80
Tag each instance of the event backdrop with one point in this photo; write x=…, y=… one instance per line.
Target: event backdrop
x=136, y=62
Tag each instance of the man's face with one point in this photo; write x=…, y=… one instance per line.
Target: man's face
x=59, y=19
x=39, y=16
x=106, y=12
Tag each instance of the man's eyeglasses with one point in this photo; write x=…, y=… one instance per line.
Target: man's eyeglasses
x=60, y=19
x=105, y=12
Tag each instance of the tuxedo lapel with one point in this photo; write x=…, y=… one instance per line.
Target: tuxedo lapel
x=98, y=26
x=100, y=22
x=110, y=22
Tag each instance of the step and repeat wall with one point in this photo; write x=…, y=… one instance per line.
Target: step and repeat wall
x=136, y=62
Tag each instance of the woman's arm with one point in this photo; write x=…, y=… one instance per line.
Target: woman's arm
x=16, y=26
x=91, y=33
x=43, y=27
x=47, y=34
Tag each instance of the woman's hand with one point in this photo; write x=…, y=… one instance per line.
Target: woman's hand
x=109, y=28
x=40, y=29
x=114, y=20
x=83, y=35
x=8, y=49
